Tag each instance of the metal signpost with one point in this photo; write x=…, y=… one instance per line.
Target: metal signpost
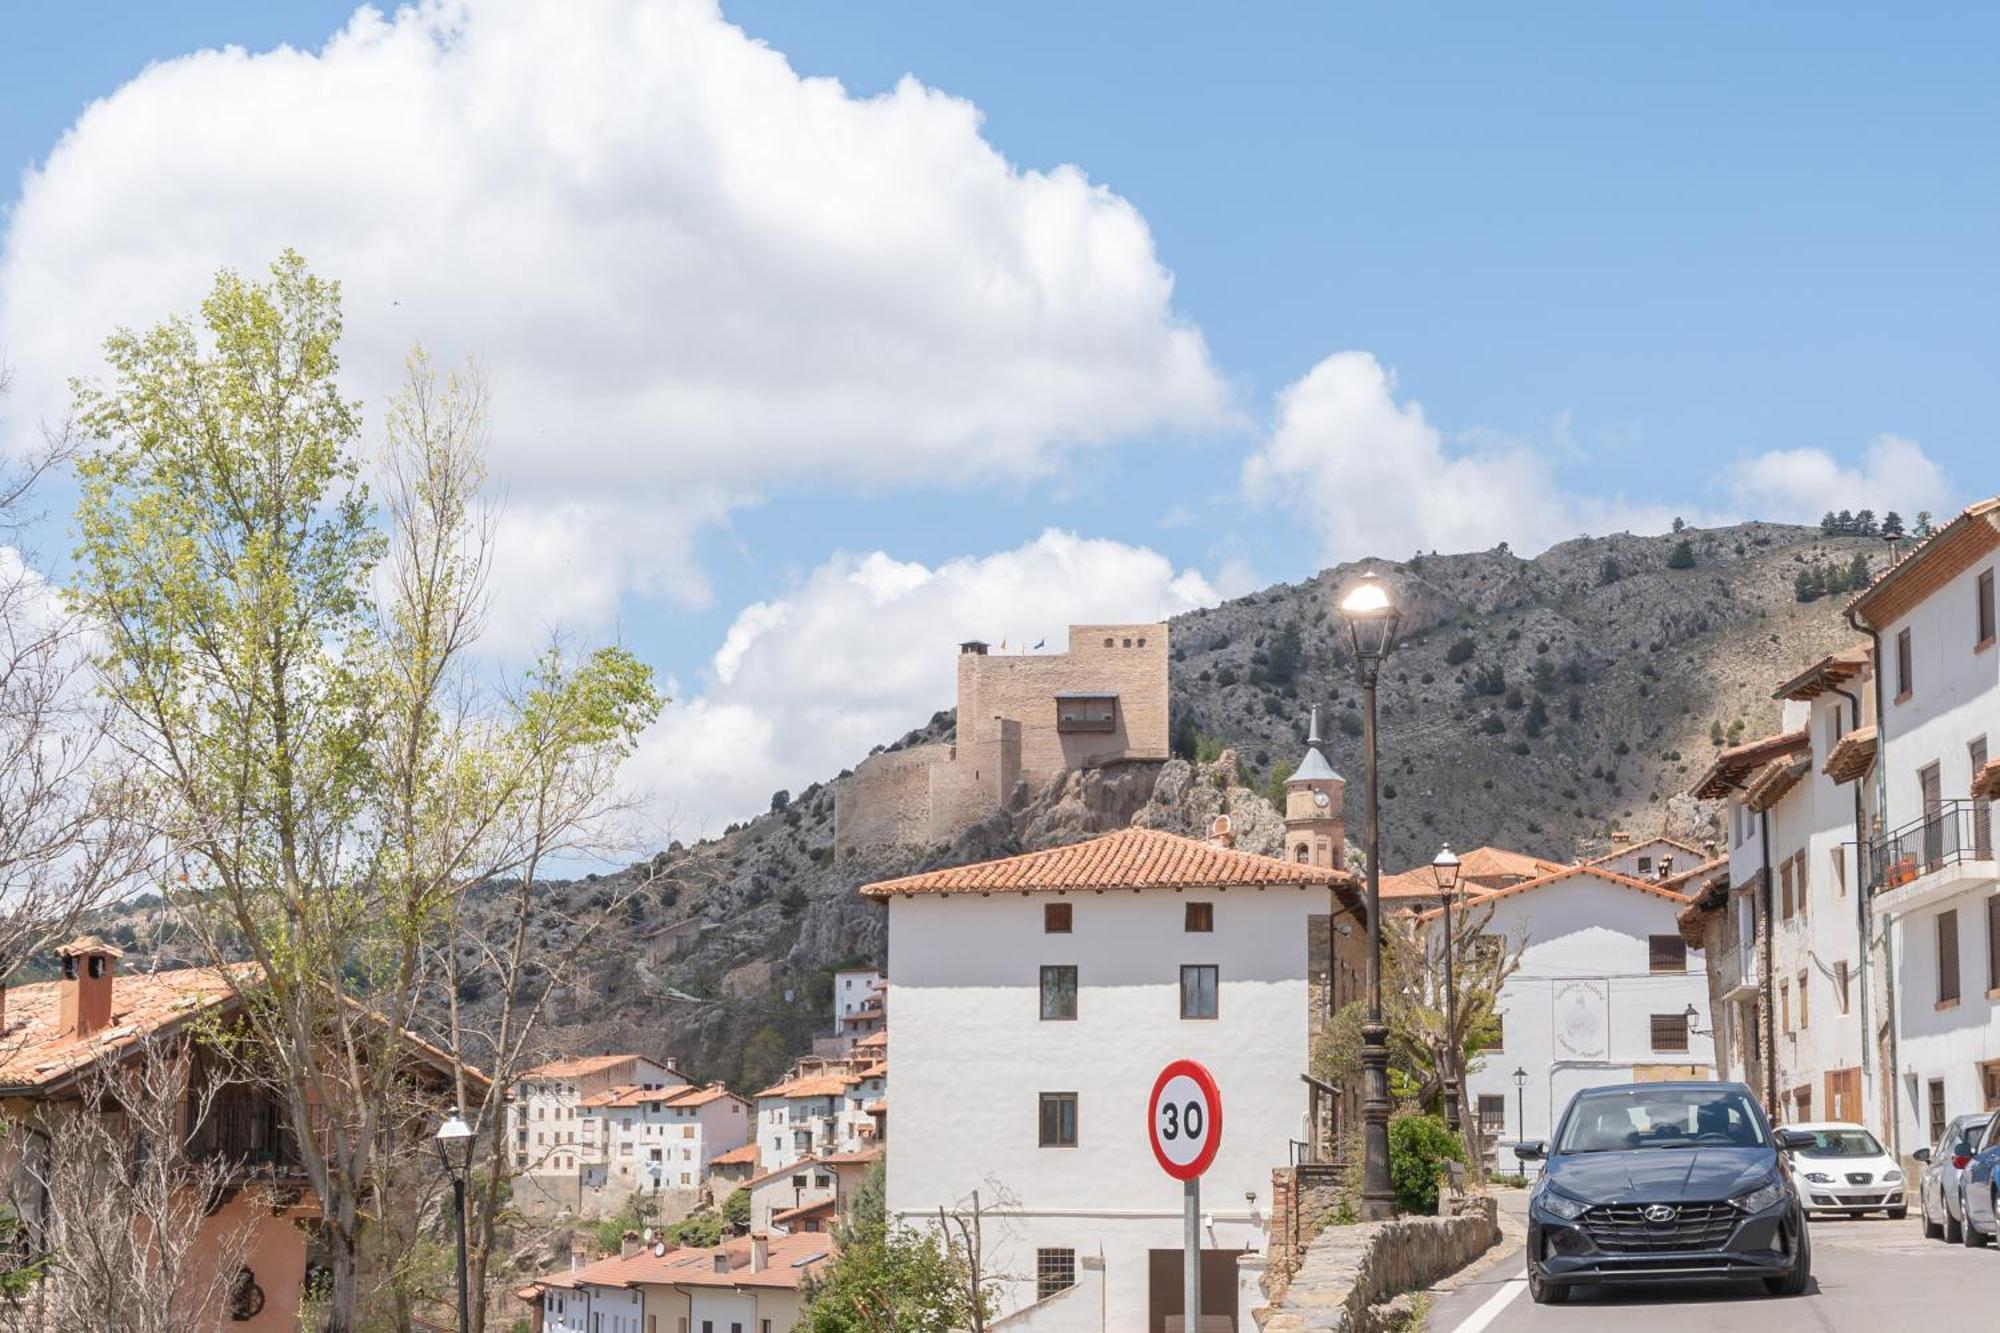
x=1184, y=1125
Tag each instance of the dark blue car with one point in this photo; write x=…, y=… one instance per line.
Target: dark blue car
x=1666, y=1182
x=1979, y=1189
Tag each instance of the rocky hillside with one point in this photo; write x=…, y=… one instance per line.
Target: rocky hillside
x=1531, y=703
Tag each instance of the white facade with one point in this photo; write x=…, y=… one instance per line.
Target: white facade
x=1579, y=1011
x=852, y=990
x=1940, y=878
x=1654, y=858
x=666, y=1142
x=974, y=1058
x=593, y=1308
x=552, y=1133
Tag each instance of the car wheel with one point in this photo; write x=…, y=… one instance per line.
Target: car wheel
x=1953, y=1232
x=1975, y=1239
x=1544, y=1292
x=1932, y=1230
x=1898, y=1214
x=1795, y=1282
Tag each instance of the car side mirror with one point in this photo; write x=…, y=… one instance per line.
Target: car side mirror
x=1533, y=1150
x=1921, y=1155
x=1795, y=1140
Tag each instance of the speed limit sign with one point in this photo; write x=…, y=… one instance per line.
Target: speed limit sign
x=1184, y=1119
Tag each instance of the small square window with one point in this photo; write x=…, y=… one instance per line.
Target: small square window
x=1199, y=983
x=1058, y=1120
x=1670, y=1032
x=1058, y=992
x=1056, y=918
x=1200, y=917
x=1055, y=1272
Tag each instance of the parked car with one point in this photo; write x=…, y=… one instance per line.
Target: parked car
x=1979, y=1188
x=1666, y=1182
x=1847, y=1170
x=1938, y=1192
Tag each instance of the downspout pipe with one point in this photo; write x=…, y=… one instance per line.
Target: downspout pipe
x=1861, y=914
x=1770, y=989
x=1881, y=820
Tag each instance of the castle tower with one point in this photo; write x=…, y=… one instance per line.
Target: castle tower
x=1315, y=820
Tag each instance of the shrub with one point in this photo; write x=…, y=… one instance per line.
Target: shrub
x=1461, y=650
x=736, y=1210
x=1419, y=1147
x=1682, y=556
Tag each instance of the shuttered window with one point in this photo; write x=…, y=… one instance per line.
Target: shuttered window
x=1799, y=878
x=1670, y=1032
x=1984, y=614
x=1667, y=953
x=1905, y=678
x=1947, y=956
x=1785, y=898
x=1993, y=942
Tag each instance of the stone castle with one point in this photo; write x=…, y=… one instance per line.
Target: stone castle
x=1023, y=719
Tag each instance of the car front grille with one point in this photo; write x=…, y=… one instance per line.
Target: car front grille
x=1624, y=1228
x=1857, y=1177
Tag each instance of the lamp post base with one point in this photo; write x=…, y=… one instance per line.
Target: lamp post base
x=1378, y=1196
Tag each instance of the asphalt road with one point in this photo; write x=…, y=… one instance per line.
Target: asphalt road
x=1869, y=1276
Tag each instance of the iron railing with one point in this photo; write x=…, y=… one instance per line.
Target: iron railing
x=251, y=1133
x=1955, y=832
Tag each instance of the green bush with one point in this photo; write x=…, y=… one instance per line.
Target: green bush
x=1419, y=1147
x=736, y=1210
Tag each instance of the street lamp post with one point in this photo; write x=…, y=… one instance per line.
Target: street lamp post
x=1372, y=617
x=1444, y=869
x=1520, y=1103
x=453, y=1132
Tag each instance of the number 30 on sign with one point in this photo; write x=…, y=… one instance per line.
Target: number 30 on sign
x=1184, y=1119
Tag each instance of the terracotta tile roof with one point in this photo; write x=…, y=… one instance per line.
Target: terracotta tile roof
x=693, y=1096
x=1852, y=755
x=862, y=1158
x=1832, y=670
x=1774, y=780
x=1737, y=763
x=1702, y=871
x=1598, y=872
x=824, y=1208
x=813, y=1085
x=1986, y=782
x=791, y=1258
x=874, y=1039
x=743, y=1156
x=1133, y=858
x=578, y=1066
x=1480, y=863
x=1942, y=556
x=1660, y=840
x=36, y=1054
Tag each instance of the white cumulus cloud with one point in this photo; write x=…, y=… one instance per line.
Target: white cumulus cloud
x=688, y=270
x=862, y=650
x=1801, y=485
x=1370, y=475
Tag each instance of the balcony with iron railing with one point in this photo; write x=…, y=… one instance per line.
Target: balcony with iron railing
x=1950, y=848
x=252, y=1134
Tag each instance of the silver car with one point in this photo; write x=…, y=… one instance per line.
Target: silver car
x=1938, y=1193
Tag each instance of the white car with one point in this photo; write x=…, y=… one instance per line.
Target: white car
x=1847, y=1171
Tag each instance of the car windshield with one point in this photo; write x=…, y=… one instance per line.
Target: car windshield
x=1628, y=1119
x=1842, y=1143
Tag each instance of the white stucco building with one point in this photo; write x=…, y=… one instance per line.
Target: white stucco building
x=749, y=1284
x=1599, y=996
x=661, y=1138
x=550, y=1135
x=1037, y=998
x=1931, y=861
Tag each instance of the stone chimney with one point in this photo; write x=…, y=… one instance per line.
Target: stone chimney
x=1221, y=833
x=628, y=1244
x=88, y=966
x=760, y=1251
x=578, y=1248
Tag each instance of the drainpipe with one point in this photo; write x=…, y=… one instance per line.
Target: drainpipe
x=1861, y=917
x=1881, y=782
x=1770, y=991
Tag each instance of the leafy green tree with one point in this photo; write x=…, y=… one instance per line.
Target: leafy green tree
x=736, y=1210
x=1281, y=773
x=1461, y=650
x=324, y=775
x=1682, y=556
x=886, y=1280
x=1419, y=1148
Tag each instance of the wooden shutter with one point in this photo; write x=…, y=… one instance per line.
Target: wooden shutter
x=1667, y=953
x=1947, y=956
x=1993, y=942
x=1785, y=880
x=1670, y=1032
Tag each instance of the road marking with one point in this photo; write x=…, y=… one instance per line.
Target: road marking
x=1478, y=1320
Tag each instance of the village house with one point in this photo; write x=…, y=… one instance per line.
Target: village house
x=809, y=1195
x=659, y=1139
x=1785, y=927
x=70, y=1043
x=1600, y=995
x=1929, y=868
x=1036, y=999
x=750, y=1284
x=801, y=1116
x=1657, y=858
x=559, y=1150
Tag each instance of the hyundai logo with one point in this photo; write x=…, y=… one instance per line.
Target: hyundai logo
x=1659, y=1212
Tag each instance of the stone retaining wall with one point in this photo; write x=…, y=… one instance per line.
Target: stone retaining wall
x=1347, y=1271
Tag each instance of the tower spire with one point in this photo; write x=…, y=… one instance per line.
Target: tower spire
x=1312, y=737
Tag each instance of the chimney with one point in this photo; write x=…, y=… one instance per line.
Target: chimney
x=1667, y=866
x=88, y=965
x=760, y=1251
x=1221, y=833
x=578, y=1247
x=628, y=1244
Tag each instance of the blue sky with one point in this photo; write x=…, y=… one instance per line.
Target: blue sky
x=1626, y=255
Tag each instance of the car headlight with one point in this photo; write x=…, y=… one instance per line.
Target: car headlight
x=1757, y=1200
x=1562, y=1205
x=1892, y=1177
x=1819, y=1177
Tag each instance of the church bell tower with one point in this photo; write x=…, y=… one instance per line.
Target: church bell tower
x=1315, y=822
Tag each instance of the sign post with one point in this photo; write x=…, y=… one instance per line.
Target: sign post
x=1184, y=1126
